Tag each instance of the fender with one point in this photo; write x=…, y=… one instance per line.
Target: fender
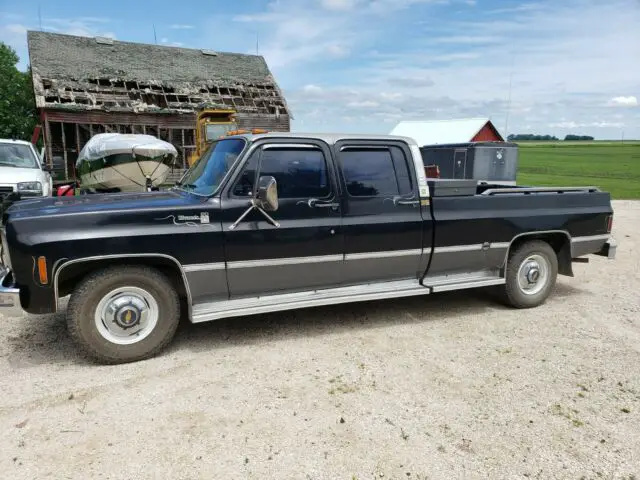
x=119, y=256
x=563, y=268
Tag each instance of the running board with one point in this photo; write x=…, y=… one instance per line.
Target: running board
x=314, y=298
x=447, y=283
x=205, y=312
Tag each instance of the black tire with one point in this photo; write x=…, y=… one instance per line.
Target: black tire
x=96, y=286
x=513, y=294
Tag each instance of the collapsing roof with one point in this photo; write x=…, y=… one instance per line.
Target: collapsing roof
x=434, y=132
x=84, y=73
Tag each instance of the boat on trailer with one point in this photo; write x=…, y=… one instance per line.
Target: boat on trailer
x=117, y=162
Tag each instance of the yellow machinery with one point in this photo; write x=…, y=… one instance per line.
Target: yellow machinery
x=211, y=124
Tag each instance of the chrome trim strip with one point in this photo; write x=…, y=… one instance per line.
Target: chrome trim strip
x=273, y=262
x=458, y=248
x=202, y=267
x=126, y=255
x=592, y=238
x=312, y=298
x=499, y=245
x=384, y=254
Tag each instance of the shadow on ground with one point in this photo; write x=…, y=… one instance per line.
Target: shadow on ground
x=44, y=339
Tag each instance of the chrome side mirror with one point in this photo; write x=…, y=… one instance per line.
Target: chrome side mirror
x=267, y=196
x=266, y=200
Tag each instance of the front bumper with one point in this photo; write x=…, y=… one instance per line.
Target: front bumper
x=9, y=295
x=609, y=249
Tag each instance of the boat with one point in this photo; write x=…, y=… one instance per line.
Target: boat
x=118, y=162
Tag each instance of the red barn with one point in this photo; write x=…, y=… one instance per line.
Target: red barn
x=438, y=132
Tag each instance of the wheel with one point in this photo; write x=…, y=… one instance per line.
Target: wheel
x=123, y=314
x=531, y=274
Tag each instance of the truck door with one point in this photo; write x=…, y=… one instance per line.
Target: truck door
x=382, y=220
x=306, y=250
x=459, y=163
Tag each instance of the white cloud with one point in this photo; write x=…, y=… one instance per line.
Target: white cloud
x=363, y=104
x=572, y=125
x=16, y=28
x=312, y=89
x=629, y=101
x=340, y=5
x=181, y=26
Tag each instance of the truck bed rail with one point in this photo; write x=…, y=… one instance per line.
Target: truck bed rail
x=530, y=190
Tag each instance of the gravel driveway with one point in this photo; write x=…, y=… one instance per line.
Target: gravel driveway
x=446, y=386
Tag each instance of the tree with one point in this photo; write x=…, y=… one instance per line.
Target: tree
x=573, y=138
x=17, y=109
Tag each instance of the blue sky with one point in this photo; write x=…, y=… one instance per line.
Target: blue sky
x=362, y=65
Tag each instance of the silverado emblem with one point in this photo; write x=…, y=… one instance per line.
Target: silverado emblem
x=189, y=220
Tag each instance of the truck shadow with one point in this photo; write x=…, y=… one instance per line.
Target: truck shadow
x=281, y=326
x=37, y=340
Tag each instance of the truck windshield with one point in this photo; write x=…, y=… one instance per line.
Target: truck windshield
x=204, y=177
x=18, y=156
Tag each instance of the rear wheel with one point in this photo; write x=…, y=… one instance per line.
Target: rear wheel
x=123, y=314
x=531, y=274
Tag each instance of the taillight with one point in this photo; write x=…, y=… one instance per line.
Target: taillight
x=609, y=223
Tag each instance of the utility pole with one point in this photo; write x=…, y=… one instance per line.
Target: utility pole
x=155, y=38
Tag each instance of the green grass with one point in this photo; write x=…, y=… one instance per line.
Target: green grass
x=611, y=166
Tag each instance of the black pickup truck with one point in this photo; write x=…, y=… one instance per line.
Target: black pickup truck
x=277, y=221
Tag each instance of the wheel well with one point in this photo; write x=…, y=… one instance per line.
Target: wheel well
x=68, y=277
x=560, y=243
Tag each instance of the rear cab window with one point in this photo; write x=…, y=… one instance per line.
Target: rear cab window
x=377, y=170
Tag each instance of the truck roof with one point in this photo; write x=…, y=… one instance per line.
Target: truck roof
x=18, y=142
x=329, y=138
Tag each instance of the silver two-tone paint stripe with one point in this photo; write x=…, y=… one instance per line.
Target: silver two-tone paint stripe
x=385, y=254
x=274, y=262
x=204, y=267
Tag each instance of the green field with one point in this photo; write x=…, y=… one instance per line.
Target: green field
x=612, y=166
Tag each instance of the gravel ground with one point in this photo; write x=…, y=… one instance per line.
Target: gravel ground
x=444, y=387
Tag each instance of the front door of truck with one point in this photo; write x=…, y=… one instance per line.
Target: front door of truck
x=382, y=219
x=306, y=250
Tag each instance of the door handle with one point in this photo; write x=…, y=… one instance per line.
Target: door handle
x=403, y=201
x=316, y=203
x=408, y=202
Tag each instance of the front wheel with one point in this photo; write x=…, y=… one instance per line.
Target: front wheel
x=123, y=314
x=532, y=269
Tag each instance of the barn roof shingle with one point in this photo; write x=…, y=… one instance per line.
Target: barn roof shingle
x=74, y=72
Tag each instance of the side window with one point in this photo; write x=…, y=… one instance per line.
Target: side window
x=245, y=184
x=299, y=172
x=403, y=172
x=372, y=172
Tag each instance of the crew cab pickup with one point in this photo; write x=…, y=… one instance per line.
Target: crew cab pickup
x=277, y=221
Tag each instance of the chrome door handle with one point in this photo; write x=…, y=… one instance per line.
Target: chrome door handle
x=315, y=203
x=408, y=202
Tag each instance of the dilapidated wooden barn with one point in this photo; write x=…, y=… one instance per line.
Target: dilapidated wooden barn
x=85, y=86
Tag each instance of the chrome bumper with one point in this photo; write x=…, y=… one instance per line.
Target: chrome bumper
x=609, y=249
x=9, y=295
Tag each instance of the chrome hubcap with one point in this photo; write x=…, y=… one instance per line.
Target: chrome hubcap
x=126, y=315
x=533, y=274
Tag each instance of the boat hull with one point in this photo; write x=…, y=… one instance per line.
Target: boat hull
x=126, y=177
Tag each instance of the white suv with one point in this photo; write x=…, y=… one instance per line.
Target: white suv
x=22, y=170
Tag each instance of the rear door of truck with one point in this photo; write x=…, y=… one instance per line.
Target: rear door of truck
x=382, y=214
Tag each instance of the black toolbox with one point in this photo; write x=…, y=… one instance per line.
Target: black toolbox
x=452, y=188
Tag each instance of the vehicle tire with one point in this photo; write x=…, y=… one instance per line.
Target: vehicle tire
x=532, y=269
x=123, y=314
